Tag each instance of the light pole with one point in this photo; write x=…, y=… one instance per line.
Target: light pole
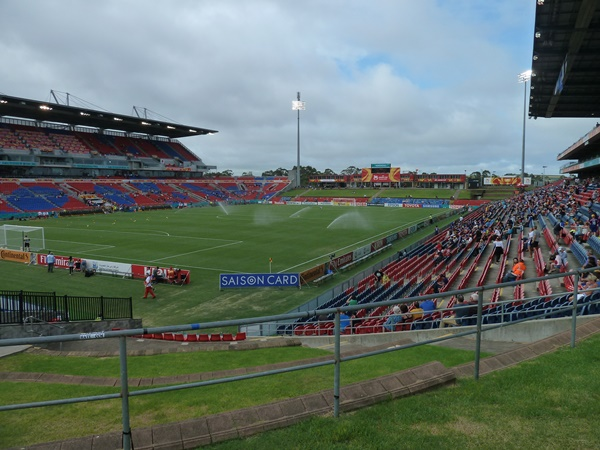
x=297, y=105
x=524, y=78
x=544, y=175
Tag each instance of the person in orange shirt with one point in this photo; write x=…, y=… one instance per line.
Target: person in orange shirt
x=171, y=275
x=518, y=270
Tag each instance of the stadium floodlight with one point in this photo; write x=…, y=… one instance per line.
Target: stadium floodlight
x=298, y=106
x=13, y=237
x=544, y=175
x=524, y=77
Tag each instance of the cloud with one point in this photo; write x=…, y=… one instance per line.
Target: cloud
x=429, y=85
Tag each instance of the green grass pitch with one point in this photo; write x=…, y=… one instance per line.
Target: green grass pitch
x=207, y=241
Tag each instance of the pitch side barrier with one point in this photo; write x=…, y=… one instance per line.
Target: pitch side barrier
x=337, y=361
x=351, y=259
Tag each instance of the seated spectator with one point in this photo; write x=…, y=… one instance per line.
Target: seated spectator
x=378, y=276
x=344, y=321
x=564, y=258
x=385, y=279
x=440, y=283
x=460, y=310
x=399, y=315
x=416, y=311
x=556, y=264
x=171, y=275
x=517, y=271
x=354, y=320
x=591, y=260
x=428, y=305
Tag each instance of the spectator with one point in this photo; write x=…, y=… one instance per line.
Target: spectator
x=498, y=248
x=397, y=316
x=460, y=310
x=416, y=311
x=344, y=321
x=533, y=241
x=440, y=283
x=50, y=260
x=517, y=271
x=171, y=275
x=378, y=276
x=564, y=258
x=591, y=260
x=385, y=279
x=354, y=319
x=428, y=306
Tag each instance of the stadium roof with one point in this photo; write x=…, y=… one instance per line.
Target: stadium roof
x=23, y=108
x=566, y=59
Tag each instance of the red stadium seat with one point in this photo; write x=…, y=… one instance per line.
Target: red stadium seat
x=240, y=336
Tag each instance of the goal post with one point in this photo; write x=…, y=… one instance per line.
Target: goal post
x=16, y=237
x=343, y=201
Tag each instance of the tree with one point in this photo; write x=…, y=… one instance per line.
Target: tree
x=329, y=172
x=351, y=170
x=280, y=172
x=247, y=174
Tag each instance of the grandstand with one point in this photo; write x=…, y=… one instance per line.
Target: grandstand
x=70, y=167
x=39, y=139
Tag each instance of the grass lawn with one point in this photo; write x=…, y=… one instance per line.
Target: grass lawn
x=210, y=241
x=29, y=426
x=552, y=402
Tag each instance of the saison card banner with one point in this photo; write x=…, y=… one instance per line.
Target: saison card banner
x=258, y=280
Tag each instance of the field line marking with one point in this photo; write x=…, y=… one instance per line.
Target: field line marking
x=198, y=251
x=353, y=245
x=150, y=234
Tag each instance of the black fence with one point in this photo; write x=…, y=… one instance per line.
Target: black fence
x=23, y=306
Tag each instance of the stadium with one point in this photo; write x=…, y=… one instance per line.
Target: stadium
x=308, y=309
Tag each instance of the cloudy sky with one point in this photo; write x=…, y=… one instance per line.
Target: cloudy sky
x=428, y=84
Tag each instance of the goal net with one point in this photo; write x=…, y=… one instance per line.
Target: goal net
x=343, y=201
x=16, y=237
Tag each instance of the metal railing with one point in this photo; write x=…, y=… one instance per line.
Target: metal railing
x=16, y=306
x=337, y=361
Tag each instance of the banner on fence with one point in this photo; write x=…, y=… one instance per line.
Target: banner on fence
x=258, y=280
x=313, y=273
x=166, y=274
x=15, y=255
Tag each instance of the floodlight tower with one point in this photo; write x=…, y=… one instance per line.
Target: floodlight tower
x=544, y=175
x=524, y=78
x=297, y=105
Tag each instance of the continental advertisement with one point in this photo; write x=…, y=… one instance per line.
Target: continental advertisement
x=15, y=255
x=368, y=175
x=506, y=181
